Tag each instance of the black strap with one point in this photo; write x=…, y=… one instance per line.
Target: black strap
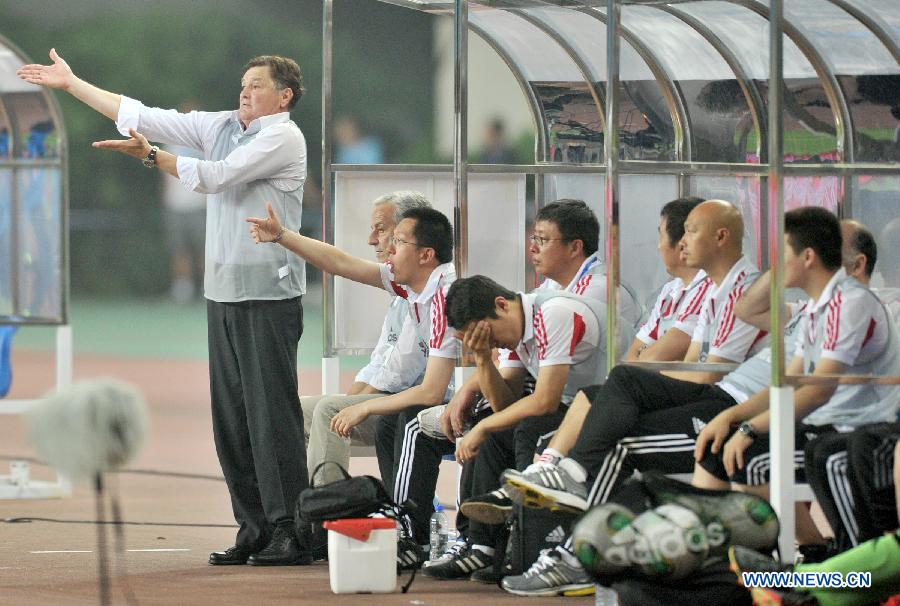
x=347, y=476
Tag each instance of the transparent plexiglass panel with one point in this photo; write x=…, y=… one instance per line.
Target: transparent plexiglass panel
x=5, y=138
x=38, y=234
x=876, y=204
x=590, y=188
x=6, y=251
x=569, y=108
x=645, y=117
x=533, y=52
x=36, y=134
x=719, y=116
x=868, y=74
x=886, y=11
x=640, y=199
x=809, y=123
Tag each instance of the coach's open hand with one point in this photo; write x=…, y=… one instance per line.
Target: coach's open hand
x=137, y=146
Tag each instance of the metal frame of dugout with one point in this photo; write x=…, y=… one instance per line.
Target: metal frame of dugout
x=686, y=82
x=34, y=245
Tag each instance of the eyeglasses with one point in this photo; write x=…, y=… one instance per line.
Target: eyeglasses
x=542, y=242
x=395, y=241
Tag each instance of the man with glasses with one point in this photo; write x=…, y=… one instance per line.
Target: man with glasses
x=254, y=313
x=420, y=270
x=397, y=362
x=564, y=250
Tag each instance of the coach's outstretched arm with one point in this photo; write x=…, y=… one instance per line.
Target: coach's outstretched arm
x=326, y=257
x=59, y=75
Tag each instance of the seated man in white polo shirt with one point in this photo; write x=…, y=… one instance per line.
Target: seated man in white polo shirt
x=843, y=329
x=396, y=363
x=420, y=270
x=556, y=337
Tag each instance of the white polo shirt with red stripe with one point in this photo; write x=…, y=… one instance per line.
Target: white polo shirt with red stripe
x=425, y=330
x=590, y=282
x=561, y=330
x=849, y=324
x=677, y=306
x=719, y=331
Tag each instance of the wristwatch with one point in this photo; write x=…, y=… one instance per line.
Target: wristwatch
x=748, y=430
x=150, y=160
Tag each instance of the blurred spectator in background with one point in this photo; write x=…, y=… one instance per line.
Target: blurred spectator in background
x=4, y=142
x=352, y=146
x=184, y=219
x=496, y=149
x=36, y=145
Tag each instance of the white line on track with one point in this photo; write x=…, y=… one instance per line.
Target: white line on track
x=89, y=551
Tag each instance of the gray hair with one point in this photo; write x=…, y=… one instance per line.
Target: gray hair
x=403, y=201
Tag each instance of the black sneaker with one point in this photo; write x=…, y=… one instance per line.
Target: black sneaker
x=410, y=556
x=491, y=508
x=460, y=566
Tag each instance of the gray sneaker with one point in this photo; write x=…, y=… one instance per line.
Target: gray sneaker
x=547, y=487
x=430, y=422
x=550, y=575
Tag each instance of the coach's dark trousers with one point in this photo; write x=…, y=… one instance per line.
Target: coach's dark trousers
x=257, y=421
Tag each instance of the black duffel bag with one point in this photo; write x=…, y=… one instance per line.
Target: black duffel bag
x=352, y=497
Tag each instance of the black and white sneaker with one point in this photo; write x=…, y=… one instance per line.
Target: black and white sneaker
x=410, y=556
x=491, y=508
x=460, y=566
x=453, y=550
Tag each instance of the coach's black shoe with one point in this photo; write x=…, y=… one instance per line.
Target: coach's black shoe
x=282, y=550
x=231, y=556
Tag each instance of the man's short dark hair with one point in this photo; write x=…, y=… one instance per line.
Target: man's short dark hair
x=285, y=72
x=815, y=228
x=862, y=242
x=432, y=230
x=472, y=299
x=675, y=212
x=575, y=221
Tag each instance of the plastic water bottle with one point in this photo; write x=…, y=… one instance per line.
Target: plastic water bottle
x=438, y=533
x=605, y=596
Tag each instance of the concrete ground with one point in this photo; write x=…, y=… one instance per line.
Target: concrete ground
x=176, y=505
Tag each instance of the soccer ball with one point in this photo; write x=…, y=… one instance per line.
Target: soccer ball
x=670, y=543
x=596, y=540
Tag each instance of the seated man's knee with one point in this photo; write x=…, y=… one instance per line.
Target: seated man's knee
x=327, y=408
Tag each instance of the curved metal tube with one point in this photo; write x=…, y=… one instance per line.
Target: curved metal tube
x=671, y=91
x=537, y=112
x=748, y=85
x=583, y=67
x=843, y=121
x=56, y=114
x=874, y=24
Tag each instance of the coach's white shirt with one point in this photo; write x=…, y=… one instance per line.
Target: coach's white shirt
x=241, y=171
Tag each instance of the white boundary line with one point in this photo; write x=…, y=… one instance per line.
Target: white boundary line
x=90, y=551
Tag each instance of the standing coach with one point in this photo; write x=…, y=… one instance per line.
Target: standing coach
x=255, y=318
